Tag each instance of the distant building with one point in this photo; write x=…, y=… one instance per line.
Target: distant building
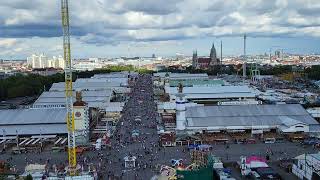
x=205, y=62
x=159, y=67
x=195, y=58
x=96, y=60
x=37, y=61
x=42, y=61
x=46, y=71
x=213, y=56
x=58, y=62
x=86, y=66
x=277, y=54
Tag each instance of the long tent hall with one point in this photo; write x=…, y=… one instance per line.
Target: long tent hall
x=213, y=93
x=86, y=86
x=284, y=117
x=177, y=76
x=93, y=98
x=33, y=121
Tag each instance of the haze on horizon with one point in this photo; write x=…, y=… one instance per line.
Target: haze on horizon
x=108, y=28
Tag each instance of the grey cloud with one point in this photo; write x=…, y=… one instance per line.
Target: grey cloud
x=97, y=40
x=19, y=4
x=222, y=6
x=152, y=7
x=311, y=11
x=111, y=21
x=227, y=21
x=259, y=6
x=35, y=30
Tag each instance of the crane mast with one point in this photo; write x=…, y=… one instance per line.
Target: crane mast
x=68, y=88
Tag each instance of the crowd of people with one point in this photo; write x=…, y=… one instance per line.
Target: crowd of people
x=135, y=134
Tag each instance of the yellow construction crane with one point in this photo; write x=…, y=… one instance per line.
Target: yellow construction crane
x=68, y=88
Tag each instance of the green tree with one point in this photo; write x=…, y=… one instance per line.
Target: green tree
x=28, y=177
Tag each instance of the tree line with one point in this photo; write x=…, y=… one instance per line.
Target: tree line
x=312, y=73
x=26, y=85
x=21, y=85
x=30, y=85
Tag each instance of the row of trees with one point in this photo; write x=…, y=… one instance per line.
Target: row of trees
x=26, y=85
x=30, y=85
x=109, y=69
x=313, y=72
x=221, y=69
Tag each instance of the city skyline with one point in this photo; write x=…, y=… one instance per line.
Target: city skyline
x=169, y=89
x=106, y=28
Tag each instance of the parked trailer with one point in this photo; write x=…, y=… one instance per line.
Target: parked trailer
x=62, y=142
x=29, y=142
x=34, y=142
x=58, y=141
x=24, y=141
x=2, y=141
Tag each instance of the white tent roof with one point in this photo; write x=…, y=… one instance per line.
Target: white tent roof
x=247, y=116
x=213, y=92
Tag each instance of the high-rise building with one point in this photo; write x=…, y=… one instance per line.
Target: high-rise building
x=42, y=61
x=37, y=61
x=195, y=58
x=277, y=54
x=33, y=61
x=58, y=62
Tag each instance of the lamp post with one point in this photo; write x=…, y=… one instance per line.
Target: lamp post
x=17, y=139
x=40, y=140
x=4, y=138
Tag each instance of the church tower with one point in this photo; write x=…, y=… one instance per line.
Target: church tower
x=213, y=55
x=181, y=109
x=195, y=59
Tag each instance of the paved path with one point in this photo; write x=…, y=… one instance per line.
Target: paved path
x=145, y=147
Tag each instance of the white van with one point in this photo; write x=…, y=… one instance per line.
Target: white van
x=269, y=140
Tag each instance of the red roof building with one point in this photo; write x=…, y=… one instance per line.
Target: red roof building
x=168, y=139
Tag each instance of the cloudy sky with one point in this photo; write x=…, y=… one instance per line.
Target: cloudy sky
x=108, y=28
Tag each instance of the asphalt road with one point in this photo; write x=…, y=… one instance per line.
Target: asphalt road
x=145, y=147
